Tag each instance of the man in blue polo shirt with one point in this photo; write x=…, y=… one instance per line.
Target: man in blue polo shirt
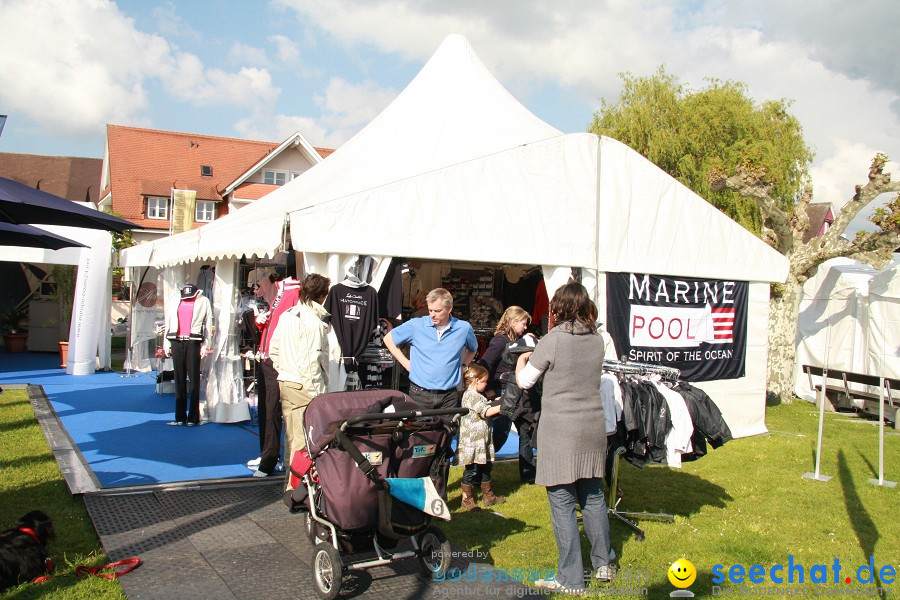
x=441, y=345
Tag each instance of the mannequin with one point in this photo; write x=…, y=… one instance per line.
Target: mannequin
x=188, y=326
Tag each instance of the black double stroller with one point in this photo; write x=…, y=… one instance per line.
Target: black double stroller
x=353, y=445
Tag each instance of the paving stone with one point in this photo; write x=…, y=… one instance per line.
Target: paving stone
x=241, y=542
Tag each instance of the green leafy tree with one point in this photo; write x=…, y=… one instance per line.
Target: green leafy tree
x=120, y=241
x=750, y=161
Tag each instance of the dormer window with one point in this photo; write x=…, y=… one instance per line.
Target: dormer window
x=274, y=177
x=206, y=171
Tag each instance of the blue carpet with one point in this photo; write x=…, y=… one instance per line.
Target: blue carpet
x=510, y=448
x=119, y=426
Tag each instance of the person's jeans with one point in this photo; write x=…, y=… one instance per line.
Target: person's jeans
x=431, y=399
x=476, y=474
x=589, y=495
x=527, y=459
x=500, y=426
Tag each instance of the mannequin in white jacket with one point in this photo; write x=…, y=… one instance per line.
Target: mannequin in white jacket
x=188, y=329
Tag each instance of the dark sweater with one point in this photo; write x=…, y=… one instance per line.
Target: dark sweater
x=492, y=360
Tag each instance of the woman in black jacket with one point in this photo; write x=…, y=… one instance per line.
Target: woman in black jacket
x=511, y=327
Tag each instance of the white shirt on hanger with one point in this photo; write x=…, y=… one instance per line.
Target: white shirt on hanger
x=678, y=439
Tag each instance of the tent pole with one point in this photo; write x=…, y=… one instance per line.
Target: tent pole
x=821, y=399
x=882, y=398
x=817, y=476
x=131, y=299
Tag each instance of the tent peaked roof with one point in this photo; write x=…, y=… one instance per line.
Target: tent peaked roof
x=453, y=111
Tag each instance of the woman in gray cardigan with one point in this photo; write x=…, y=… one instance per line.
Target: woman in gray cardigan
x=571, y=436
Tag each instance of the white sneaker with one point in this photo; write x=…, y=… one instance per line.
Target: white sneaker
x=260, y=474
x=552, y=585
x=253, y=464
x=605, y=573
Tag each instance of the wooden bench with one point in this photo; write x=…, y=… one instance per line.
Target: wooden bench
x=837, y=388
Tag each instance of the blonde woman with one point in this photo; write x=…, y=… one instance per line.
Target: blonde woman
x=511, y=327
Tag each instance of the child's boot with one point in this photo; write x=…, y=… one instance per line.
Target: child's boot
x=488, y=495
x=468, y=497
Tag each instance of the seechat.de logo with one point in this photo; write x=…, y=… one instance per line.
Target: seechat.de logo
x=794, y=572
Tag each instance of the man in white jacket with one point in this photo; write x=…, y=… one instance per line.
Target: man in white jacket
x=299, y=352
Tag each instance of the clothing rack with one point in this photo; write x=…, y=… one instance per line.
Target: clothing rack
x=626, y=517
x=638, y=368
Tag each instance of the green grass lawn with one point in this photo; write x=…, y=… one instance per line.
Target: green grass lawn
x=745, y=503
x=30, y=480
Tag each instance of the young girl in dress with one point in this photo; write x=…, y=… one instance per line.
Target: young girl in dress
x=474, y=448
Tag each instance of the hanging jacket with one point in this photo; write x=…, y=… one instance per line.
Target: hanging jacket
x=705, y=414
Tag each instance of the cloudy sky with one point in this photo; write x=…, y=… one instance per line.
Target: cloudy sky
x=262, y=70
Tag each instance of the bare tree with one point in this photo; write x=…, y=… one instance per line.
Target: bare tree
x=784, y=231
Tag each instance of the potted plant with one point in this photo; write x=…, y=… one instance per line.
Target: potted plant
x=14, y=332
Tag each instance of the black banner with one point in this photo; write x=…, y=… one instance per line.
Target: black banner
x=696, y=325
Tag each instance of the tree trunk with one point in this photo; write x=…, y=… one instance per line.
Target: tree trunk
x=785, y=311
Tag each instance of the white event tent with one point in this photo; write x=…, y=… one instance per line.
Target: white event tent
x=454, y=158
x=849, y=321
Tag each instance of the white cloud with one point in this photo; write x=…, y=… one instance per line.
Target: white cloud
x=170, y=23
x=286, y=50
x=836, y=177
x=349, y=106
x=74, y=65
x=244, y=54
x=346, y=108
x=265, y=126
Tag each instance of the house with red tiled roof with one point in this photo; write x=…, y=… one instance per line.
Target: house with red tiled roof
x=71, y=177
x=821, y=216
x=144, y=170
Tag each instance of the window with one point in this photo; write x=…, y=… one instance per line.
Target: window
x=274, y=177
x=157, y=208
x=205, y=171
x=204, y=211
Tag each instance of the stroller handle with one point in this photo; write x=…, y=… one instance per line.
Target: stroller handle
x=406, y=414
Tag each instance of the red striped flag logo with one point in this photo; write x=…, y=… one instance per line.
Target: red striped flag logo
x=723, y=325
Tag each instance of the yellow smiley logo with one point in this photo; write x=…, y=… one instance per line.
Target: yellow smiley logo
x=682, y=573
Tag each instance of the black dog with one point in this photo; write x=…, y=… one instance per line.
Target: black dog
x=23, y=550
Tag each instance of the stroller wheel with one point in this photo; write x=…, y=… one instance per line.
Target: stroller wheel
x=434, y=550
x=327, y=571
